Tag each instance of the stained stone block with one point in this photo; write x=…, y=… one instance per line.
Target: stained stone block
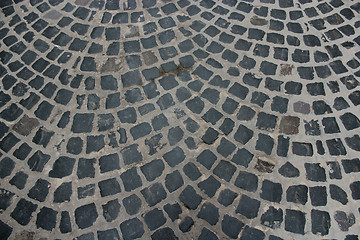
x=289, y=125
x=93, y=102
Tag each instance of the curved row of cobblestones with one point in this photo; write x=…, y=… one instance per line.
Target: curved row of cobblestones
x=179, y=119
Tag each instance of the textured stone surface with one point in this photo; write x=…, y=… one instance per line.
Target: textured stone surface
x=158, y=119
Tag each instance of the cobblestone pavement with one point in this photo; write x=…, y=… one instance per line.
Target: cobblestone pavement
x=203, y=119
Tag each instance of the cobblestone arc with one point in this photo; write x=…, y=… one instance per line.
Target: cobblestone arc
x=188, y=119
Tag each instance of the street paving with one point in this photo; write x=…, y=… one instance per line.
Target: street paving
x=188, y=119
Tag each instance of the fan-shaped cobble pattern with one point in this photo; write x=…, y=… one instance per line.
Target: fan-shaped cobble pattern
x=158, y=119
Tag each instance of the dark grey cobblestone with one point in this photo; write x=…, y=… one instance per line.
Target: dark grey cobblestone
x=141, y=119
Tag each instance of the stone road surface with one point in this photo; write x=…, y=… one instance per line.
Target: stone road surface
x=189, y=119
